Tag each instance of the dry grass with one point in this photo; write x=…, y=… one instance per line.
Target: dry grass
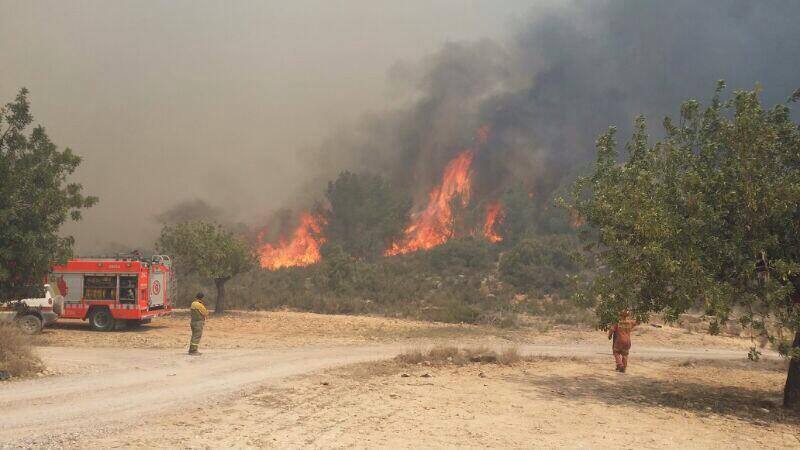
x=764, y=365
x=16, y=357
x=444, y=355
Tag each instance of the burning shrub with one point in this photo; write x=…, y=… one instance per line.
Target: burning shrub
x=16, y=357
x=300, y=248
x=366, y=217
x=456, y=282
x=443, y=284
x=435, y=224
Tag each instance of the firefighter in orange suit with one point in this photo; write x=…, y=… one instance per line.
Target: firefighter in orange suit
x=620, y=332
x=199, y=313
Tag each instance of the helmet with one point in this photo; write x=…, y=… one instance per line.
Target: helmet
x=199, y=296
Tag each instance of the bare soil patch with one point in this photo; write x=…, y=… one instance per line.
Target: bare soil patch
x=267, y=329
x=266, y=380
x=539, y=402
x=255, y=329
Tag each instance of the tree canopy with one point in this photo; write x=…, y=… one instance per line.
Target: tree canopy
x=365, y=214
x=36, y=199
x=519, y=215
x=708, y=217
x=208, y=250
x=540, y=265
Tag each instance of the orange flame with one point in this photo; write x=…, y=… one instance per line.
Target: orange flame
x=493, y=217
x=434, y=225
x=301, y=249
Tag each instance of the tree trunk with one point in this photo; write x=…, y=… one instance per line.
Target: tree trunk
x=791, y=393
x=219, y=306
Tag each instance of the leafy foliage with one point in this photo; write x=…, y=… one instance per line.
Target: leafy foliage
x=338, y=268
x=455, y=282
x=365, y=214
x=541, y=265
x=35, y=200
x=209, y=251
x=689, y=218
x=519, y=218
x=709, y=216
x=527, y=215
x=458, y=255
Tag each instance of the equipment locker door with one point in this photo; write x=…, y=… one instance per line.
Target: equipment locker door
x=157, y=288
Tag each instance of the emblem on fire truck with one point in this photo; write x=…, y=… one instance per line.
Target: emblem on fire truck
x=156, y=287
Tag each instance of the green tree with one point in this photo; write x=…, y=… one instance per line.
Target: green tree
x=519, y=215
x=35, y=200
x=208, y=250
x=365, y=214
x=526, y=214
x=707, y=217
x=338, y=268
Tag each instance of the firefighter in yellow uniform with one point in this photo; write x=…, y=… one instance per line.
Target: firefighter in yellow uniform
x=199, y=314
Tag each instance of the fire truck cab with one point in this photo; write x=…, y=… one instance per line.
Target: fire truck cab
x=112, y=291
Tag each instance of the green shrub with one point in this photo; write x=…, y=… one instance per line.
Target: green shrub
x=460, y=254
x=453, y=283
x=541, y=265
x=448, y=309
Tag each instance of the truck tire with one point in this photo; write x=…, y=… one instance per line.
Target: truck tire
x=30, y=324
x=100, y=319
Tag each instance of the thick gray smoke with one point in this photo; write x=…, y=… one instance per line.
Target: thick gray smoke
x=207, y=109
x=562, y=80
x=174, y=101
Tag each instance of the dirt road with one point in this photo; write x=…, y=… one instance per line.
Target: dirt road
x=286, y=379
x=101, y=390
x=104, y=388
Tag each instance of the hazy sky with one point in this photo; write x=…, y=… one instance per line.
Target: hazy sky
x=175, y=100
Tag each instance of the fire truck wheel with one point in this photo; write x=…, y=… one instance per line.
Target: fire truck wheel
x=30, y=324
x=100, y=319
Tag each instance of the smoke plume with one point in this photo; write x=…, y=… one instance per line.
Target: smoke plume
x=234, y=103
x=562, y=79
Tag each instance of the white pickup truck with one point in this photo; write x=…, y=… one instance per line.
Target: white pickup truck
x=32, y=314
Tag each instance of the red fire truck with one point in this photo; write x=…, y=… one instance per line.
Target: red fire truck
x=110, y=291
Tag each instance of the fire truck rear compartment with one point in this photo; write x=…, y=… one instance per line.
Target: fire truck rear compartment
x=113, y=292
